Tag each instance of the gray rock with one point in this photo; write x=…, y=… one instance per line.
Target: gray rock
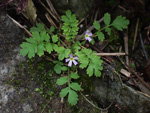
x=126, y=99
x=27, y=108
x=80, y=7
x=5, y=91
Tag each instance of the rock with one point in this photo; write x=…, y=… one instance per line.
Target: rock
x=5, y=90
x=10, y=35
x=27, y=108
x=80, y=7
x=126, y=99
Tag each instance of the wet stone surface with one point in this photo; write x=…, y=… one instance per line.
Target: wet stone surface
x=10, y=35
x=125, y=99
x=10, y=38
x=80, y=7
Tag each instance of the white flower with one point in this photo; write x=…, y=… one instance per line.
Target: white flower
x=72, y=59
x=87, y=36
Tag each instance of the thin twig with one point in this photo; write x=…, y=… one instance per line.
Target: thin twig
x=50, y=20
x=50, y=12
x=110, y=54
x=52, y=8
x=126, y=48
x=95, y=105
x=143, y=48
x=61, y=105
x=108, y=58
x=135, y=35
x=19, y=25
x=123, y=9
x=133, y=72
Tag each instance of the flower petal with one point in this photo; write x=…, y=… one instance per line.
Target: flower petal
x=67, y=59
x=70, y=63
x=87, y=32
x=86, y=38
x=71, y=55
x=76, y=58
x=75, y=63
x=90, y=34
x=89, y=39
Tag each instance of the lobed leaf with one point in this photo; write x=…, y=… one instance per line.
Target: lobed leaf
x=40, y=49
x=72, y=97
x=107, y=19
x=96, y=25
x=44, y=36
x=64, y=68
x=108, y=30
x=90, y=70
x=57, y=68
x=75, y=86
x=74, y=75
x=120, y=23
x=68, y=13
x=39, y=27
x=48, y=47
x=100, y=36
x=54, y=38
x=62, y=80
x=52, y=29
x=64, y=92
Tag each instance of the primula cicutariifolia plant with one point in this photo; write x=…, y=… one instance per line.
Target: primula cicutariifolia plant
x=68, y=54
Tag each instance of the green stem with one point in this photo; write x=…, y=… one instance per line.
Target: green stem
x=69, y=77
x=62, y=42
x=105, y=27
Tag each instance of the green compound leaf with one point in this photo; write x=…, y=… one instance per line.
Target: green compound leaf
x=39, y=27
x=67, y=53
x=52, y=29
x=57, y=68
x=63, y=53
x=40, y=49
x=64, y=92
x=96, y=25
x=93, y=62
x=96, y=65
x=64, y=68
x=90, y=70
x=82, y=59
x=62, y=80
x=24, y=52
x=108, y=30
x=76, y=46
x=72, y=97
x=48, y=47
x=31, y=40
x=120, y=23
x=44, y=36
x=107, y=19
x=28, y=48
x=64, y=18
x=74, y=75
x=75, y=86
x=54, y=38
x=55, y=47
x=68, y=13
x=100, y=36
x=84, y=63
x=70, y=25
x=36, y=36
